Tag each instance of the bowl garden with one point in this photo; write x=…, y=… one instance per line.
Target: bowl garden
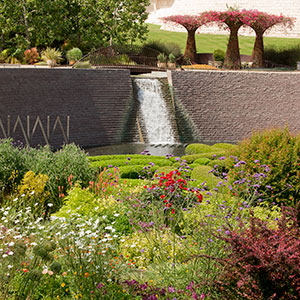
x=221, y=222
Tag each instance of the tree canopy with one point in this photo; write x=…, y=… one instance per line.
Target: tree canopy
x=233, y=20
x=79, y=23
x=191, y=24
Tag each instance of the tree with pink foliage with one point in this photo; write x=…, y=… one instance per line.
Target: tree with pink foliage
x=191, y=24
x=231, y=20
x=260, y=22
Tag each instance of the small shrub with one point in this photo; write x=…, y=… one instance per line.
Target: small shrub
x=31, y=55
x=172, y=58
x=78, y=201
x=83, y=65
x=4, y=55
x=219, y=55
x=51, y=54
x=74, y=54
x=162, y=58
x=31, y=193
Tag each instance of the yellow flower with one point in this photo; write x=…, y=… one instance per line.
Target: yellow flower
x=63, y=284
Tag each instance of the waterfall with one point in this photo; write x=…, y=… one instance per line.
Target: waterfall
x=154, y=112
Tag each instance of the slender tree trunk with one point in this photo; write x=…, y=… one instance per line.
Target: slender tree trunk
x=26, y=24
x=232, y=58
x=2, y=43
x=190, y=49
x=257, y=56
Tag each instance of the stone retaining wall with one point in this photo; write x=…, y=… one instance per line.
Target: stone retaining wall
x=220, y=106
x=95, y=103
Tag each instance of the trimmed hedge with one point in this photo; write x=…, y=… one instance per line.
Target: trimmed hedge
x=210, y=155
x=201, y=174
x=202, y=161
x=203, y=148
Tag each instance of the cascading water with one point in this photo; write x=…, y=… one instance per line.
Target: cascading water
x=154, y=112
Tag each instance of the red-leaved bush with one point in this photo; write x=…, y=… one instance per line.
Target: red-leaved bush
x=263, y=263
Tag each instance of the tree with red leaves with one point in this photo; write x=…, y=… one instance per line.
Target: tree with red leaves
x=260, y=22
x=231, y=20
x=191, y=24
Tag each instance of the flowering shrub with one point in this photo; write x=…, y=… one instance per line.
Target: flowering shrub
x=31, y=192
x=263, y=263
x=172, y=190
x=273, y=156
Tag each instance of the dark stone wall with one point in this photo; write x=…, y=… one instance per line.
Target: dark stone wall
x=220, y=106
x=97, y=101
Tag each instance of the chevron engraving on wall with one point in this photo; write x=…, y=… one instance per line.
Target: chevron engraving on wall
x=28, y=132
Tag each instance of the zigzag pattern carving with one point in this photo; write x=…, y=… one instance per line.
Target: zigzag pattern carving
x=28, y=132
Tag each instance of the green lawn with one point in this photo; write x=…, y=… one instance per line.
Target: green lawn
x=207, y=43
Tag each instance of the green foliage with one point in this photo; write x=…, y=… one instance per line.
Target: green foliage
x=51, y=54
x=165, y=169
x=219, y=55
x=162, y=57
x=146, y=248
x=224, y=146
x=68, y=164
x=11, y=165
x=202, y=161
x=132, y=172
x=31, y=193
x=161, y=47
x=119, y=162
x=4, y=55
x=277, y=151
x=202, y=175
x=210, y=155
x=74, y=54
x=201, y=148
x=171, y=58
x=287, y=55
x=132, y=158
x=84, y=24
x=78, y=201
x=83, y=65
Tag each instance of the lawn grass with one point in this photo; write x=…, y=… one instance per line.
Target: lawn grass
x=207, y=43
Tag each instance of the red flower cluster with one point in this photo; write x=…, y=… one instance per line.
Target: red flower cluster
x=172, y=188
